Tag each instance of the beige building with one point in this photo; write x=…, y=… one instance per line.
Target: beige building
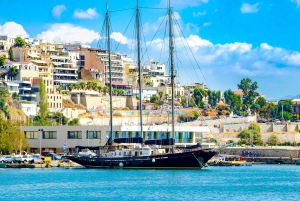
x=53, y=137
x=6, y=42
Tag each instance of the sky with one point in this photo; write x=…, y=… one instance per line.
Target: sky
x=219, y=42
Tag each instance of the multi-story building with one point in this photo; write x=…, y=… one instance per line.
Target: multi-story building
x=6, y=42
x=10, y=86
x=64, y=70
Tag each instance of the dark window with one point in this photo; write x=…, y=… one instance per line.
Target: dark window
x=74, y=135
x=93, y=135
x=49, y=135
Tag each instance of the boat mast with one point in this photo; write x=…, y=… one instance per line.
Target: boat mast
x=109, y=68
x=139, y=63
x=171, y=49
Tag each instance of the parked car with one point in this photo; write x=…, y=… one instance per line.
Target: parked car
x=44, y=153
x=54, y=156
x=27, y=158
x=261, y=121
x=37, y=159
x=6, y=159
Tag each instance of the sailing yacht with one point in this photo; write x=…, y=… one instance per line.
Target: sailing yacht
x=135, y=152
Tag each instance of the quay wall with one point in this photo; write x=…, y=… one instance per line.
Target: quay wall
x=274, y=151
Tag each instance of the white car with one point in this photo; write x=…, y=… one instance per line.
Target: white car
x=6, y=159
x=37, y=159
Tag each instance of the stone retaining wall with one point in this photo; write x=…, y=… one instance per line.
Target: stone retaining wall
x=264, y=152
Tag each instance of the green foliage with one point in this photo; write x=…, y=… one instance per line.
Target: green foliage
x=160, y=93
x=183, y=100
x=233, y=100
x=261, y=101
x=249, y=91
x=189, y=116
x=13, y=72
x=253, y=132
x=213, y=98
x=15, y=95
x=74, y=122
x=4, y=94
x=58, y=117
x=11, y=137
x=213, y=140
x=153, y=98
x=273, y=140
x=43, y=101
x=2, y=61
x=198, y=96
x=19, y=42
x=287, y=107
x=10, y=54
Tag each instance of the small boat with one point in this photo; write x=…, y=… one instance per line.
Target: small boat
x=228, y=160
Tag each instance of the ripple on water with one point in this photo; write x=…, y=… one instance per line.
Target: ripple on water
x=258, y=182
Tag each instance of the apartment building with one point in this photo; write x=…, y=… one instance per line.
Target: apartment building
x=6, y=42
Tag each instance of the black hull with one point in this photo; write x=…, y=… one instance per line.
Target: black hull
x=194, y=159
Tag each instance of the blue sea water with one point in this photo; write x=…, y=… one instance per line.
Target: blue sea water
x=257, y=182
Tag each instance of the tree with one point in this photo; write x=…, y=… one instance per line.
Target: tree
x=2, y=60
x=198, y=95
x=261, y=101
x=160, y=93
x=253, y=132
x=183, y=101
x=234, y=100
x=273, y=140
x=19, y=42
x=15, y=95
x=11, y=137
x=286, y=107
x=4, y=94
x=154, y=98
x=13, y=71
x=213, y=98
x=43, y=101
x=74, y=122
x=10, y=54
x=249, y=91
x=59, y=89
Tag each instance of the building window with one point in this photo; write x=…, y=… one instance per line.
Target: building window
x=49, y=135
x=33, y=150
x=74, y=135
x=93, y=134
x=31, y=134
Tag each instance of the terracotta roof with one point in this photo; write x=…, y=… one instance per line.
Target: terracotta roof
x=238, y=92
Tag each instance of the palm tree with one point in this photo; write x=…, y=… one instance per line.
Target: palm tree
x=70, y=86
x=77, y=86
x=115, y=91
x=166, y=96
x=100, y=88
x=105, y=90
x=82, y=85
x=59, y=89
x=160, y=93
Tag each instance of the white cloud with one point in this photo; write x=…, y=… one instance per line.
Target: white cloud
x=69, y=33
x=248, y=8
x=90, y=13
x=199, y=14
x=265, y=46
x=117, y=36
x=58, y=10
x=205, y=24
x=13, y=29
x=297, y=2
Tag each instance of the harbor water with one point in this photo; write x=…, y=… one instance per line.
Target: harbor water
x=257, y=182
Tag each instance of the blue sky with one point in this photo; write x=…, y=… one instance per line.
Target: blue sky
x=231, y=39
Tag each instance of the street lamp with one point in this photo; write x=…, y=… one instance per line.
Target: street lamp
x=41, y=134
x=282, y=109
